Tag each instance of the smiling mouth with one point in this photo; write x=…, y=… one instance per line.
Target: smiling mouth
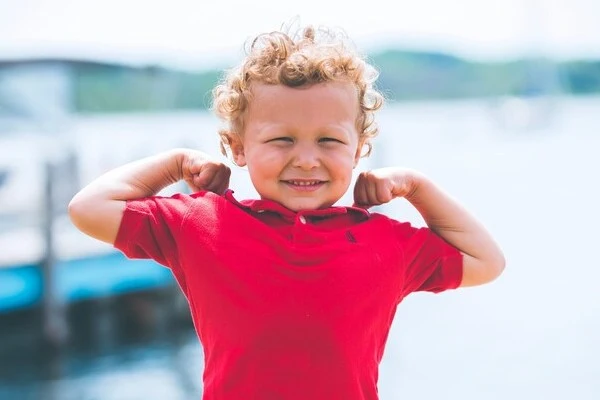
x=303, y=182
x=304, y=185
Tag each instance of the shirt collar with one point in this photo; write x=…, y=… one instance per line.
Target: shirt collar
x=260, y=206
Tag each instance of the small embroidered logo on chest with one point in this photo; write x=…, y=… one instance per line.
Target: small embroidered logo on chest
x=350, y=237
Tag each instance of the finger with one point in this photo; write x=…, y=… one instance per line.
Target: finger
x=368, y=192
x=363, y=200
x=195, y=167
x=359, y=191
x=220, y=183
x=372, y=199
x=204, y=177
x=192, y=186
x=196, y=164
x=220, y=179
x=383, y=193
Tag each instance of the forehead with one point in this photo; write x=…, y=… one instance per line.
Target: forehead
x=324, y=103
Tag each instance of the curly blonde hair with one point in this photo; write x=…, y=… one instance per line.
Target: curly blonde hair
x=279, y=58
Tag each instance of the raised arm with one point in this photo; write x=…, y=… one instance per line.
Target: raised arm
x=98, y=208
x=483, y=260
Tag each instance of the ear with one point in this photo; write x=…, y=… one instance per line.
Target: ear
x=236, y=145
x=359, y=151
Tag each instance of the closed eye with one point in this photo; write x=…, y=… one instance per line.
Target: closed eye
x=330, y=140
x=282, y=139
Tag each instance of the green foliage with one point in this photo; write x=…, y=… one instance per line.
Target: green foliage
x=404, y=75
x=115, y=88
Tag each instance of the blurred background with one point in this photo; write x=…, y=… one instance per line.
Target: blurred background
x=496, y=101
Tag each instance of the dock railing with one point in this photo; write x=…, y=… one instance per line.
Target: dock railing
x=61, y=182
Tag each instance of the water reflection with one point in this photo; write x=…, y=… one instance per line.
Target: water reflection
x=122, y=348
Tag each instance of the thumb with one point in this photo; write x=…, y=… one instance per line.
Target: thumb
x=204, y=176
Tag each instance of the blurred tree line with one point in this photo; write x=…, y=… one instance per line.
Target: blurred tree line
x=404, y=76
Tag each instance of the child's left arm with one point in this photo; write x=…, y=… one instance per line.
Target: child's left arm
x=483, y=260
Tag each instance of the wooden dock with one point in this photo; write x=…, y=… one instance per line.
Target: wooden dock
x=45, y=260
x=46, y=263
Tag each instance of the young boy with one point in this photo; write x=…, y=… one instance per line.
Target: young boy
x=291, y=296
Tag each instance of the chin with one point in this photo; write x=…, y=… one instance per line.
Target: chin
x=299, y=207
x=304, y=206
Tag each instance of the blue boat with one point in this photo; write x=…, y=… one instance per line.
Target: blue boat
x=112, y=274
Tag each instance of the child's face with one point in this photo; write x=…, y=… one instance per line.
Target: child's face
x=300, y=144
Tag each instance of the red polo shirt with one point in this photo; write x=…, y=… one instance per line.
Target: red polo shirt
x=287, y=305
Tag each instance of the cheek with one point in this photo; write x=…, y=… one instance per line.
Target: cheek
x=343, y=163
x=266, y=162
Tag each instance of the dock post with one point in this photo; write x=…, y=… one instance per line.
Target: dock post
x=54, y=320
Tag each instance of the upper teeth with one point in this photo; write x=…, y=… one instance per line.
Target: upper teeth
x=304, y=183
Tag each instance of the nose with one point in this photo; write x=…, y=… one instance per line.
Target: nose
x=306, y=157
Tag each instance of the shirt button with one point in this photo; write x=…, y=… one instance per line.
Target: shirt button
x=302, y=219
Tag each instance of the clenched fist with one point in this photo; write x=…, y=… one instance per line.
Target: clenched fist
x=379, y=186
x=201, y=172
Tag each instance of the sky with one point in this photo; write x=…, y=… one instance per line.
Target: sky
x=196, y=33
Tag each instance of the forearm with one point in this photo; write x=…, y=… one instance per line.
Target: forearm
x=451, y=221
x=98, y=208
x=138, y=179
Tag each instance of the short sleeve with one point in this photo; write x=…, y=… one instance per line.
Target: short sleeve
x=430, y=263
x=150, y=228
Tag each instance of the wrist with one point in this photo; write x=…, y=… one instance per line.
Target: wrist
x=171, y=162
x=177, y=159
x=414, y=181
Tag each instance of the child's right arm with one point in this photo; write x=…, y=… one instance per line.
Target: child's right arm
x=98, y=208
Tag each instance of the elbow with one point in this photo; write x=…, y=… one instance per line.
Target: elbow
x=96, y=217
x=82, y=211
x=75, y=210
x=480, y=272
x=496, y=267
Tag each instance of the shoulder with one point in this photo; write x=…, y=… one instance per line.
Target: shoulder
x=177, y=201
x=207, y=207
x=170, y=215
x=174, y=208
x=404, y=234
x=400, y=229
